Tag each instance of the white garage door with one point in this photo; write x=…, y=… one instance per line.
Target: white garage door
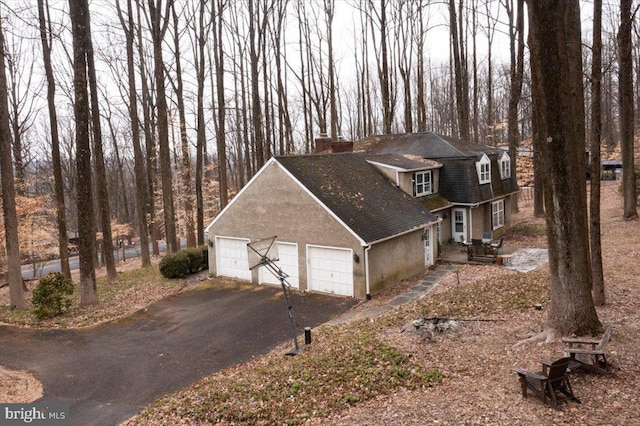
x=232, y=258
x=288, y=254
x=330, y=270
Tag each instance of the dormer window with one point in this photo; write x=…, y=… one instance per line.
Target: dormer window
x=422, y=183
x=484, y=169
x=505, y=166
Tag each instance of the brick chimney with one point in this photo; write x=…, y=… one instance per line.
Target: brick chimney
x=341, y=146
x=323, y=143
x=326, y=145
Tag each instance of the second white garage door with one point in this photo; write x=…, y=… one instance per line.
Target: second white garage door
x=288, y=254
x=330, y=270
x=232, y=258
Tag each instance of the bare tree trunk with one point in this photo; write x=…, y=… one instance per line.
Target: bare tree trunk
x=150, y=140
x=596, y=135
x=14, y=271
x=138, y=158
x=121, y=190
x=201, y=130
x=184, y=142
x=476, y=101
x=308, y=131
x=100, y=172
x=158, y=30
x=420, y=79
x=254, y=55
x=404, y=50
x=490, y=118
x=462, y=106
x=284, y=119
x=625, y=78
x=556, y=39
x=218, y=59
x=517, y=72
x=537, y=123
x=79, y=11
x=383, y=72
x=329, y=9
x=61, y=212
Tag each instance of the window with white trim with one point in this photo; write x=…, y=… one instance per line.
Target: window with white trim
x=497, y=214
x=422, y=183
x=484, y=170
x=505, y=166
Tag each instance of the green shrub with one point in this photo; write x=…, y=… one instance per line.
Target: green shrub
x=52, y=296
x=184, y=262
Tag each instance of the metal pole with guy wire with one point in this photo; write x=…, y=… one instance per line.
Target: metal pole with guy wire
x=264, y=252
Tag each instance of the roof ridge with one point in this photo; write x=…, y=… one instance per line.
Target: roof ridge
x=463, y=154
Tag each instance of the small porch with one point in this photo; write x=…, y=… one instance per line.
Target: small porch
x=520, y=259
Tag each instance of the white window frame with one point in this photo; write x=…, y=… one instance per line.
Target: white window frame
x=497, y=214
x=484, y=170
x=426, y=184
x=505, y=166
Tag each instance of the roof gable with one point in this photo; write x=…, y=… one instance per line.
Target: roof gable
x=360, y=196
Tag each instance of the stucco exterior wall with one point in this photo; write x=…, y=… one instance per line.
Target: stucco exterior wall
x=394, y=260
x=273, y=204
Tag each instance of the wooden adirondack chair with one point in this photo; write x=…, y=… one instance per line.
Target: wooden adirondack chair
x=587, y=354
x=551, y=385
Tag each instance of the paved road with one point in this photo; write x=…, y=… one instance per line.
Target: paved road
x=42, y=268
x=109, y=372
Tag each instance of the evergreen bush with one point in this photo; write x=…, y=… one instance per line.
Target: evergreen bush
x=52, y=296
x=184, y=262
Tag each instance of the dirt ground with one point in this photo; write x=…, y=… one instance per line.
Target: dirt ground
x=479, y=386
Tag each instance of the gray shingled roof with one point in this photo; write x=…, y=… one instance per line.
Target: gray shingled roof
x=425, y=144
x=358, y=194
x=458, y=175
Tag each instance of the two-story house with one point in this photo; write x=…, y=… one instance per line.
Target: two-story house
x=469, y=186
x=352, y=223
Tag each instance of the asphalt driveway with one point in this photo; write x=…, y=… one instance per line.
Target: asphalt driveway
x=110, y=372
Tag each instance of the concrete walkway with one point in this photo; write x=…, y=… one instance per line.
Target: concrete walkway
x=523, y=260
x=419, y=290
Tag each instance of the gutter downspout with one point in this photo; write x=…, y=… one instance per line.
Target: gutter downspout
x=366, y=271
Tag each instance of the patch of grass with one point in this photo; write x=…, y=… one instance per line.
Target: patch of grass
x=527, y=229
x=345, y=365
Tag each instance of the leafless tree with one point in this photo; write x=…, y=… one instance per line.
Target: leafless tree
x=516, y=38
x=79, y=11
x=14, y=271
x=100, y=171
x=217, y=10
x=556, y=38
x=625, y=78
x=596, y=136
x=159, y=23
x=178, y=87
x=140, y=176
x=61, y=215
x=460, y=69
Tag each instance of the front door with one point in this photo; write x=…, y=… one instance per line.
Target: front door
x=459, y=224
